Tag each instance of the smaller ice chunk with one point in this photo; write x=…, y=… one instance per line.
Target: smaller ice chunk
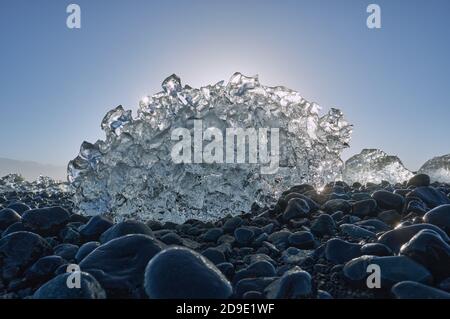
x=172, y=85
x=375, y=166
x=43, y=184
x=438, y=168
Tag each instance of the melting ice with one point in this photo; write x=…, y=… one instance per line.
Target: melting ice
x=375, y=166
x=131, y=174
x=438, y=168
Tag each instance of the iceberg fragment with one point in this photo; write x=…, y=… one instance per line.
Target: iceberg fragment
x=375, y=166
x=438, y=168
x=131, y=173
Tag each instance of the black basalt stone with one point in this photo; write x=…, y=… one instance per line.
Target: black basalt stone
x=364, y=207
x=260, y=268
x=339, y=251
x=252, y=284
x=323, y=225
x=212, y=234
x=120, y=263
x=43, y=269
x=57, y=288
x=125, y=228
x=302, y=240
x=214, y=255
x=18, y=226
x=19, y=207
x=428, y=249
x=430, y=196
x=66, y=251
x=8, y=217
x=415, y=290
x=85, y=250
x=198, y=278
x=19, y=250
x=231, y=224
x=334, y=205
x=243, y=235
x=171, y=239
x=395, y=238
x=96, y=226
x=393, y=269
x=294, y=284
x=419, y=180
x=388, y=200
x=376, y=249
x=356, y=232
x=296, y=208
x=46, y=221
x=439, y=216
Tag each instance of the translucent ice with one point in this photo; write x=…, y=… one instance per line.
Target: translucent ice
x=374, y=166
x=438, y=168
x=16, y=183
x=131, y=172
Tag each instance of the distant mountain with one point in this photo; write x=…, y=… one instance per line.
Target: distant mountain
x=31, y=170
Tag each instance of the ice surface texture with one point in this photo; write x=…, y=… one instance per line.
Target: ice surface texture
x=375, y=166
x=438, y=168
x=131, y=173
x=16, y=183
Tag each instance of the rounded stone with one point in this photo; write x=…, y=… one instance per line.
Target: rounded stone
x=214, y=255
x=302, y=240
x=294, y=284
x=57, y=288
x=198, y=278
x=43, y=269
x=415, y=290
x=388, y=200
x=339, y=251
x=119, y=264
x=296, y=208
x=393, y=269
x=430, y=196
x=46, y=221
x=439, y=216
x=364, y=207
x=212, y=234
x=395, y=238
x=8, y=217
x=334, y=205
x=243, y=235
x=376, y=249
x=419, y=180
x=125, y=228
x=260, y=268
x=85, y=250
x=430, y=250
x=66, y=251
x=171, y=239
x=96, y=226
x=19, y=250
x=323, y=225
x=19, y=207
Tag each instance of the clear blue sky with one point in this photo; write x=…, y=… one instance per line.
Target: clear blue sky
x=56, y=84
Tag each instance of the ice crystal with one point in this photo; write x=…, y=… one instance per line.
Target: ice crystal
x=375, y=166
x=131, y=172
x=438, y=168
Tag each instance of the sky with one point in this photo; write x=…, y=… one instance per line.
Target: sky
x=56, y=83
